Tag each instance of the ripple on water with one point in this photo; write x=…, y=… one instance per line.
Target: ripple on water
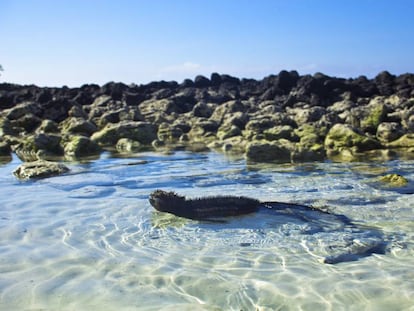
x=90, y=240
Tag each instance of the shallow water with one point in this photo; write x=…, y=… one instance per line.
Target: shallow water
x=89, y=240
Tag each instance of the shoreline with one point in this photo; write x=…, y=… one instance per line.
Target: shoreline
x=282, y=118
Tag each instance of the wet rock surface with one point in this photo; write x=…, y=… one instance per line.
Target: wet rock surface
x=39, y=169
x=283, y=118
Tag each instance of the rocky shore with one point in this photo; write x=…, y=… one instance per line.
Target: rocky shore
x=282, y=118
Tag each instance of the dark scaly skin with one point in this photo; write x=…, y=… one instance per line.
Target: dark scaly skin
x=202, y=208
x=221, y=206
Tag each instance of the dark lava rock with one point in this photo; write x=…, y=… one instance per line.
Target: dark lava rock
x=311, y=115
x=4, y=149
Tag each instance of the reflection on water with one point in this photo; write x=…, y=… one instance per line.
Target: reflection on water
x=89, y=240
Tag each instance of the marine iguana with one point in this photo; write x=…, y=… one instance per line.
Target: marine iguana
x=207, y=208
x=214, y=208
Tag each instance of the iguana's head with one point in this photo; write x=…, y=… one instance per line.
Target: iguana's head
x=165, y=201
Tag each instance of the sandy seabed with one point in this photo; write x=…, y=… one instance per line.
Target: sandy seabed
x=89, y=240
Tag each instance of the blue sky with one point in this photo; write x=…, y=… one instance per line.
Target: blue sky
x=54, y=43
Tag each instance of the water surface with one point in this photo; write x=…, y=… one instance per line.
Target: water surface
x=89, y=240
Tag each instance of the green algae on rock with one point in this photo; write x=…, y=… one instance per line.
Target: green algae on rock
x=78, y=126
x=48, y=126
x=144, y=132
x=279, y=132
x=169, y=132
x=80, y=146
x=394, y=180
x=376, y=114
x=41, y=145
x=405, y=141
x=320, y=116
x=389, y=131
x=263, y=151
x=39, y=169
x=342, y=136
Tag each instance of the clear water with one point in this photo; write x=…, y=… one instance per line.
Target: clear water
x=90, y=240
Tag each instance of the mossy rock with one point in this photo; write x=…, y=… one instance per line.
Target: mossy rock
x=310, y=140
x=227, y=110
x=233, y=145
x=256, y=126
x=267, y=152
x=42, y=144
x=405, y=141
x=81, y=146
x=310, y=134
x=394, y=180
x=374, y=118
x=342, y=136
x=169, y=133
x=279, y=132
x=48, y=126
x=203, y=129
x=150, y=107
x=389, y=131
x=228, y=131
x=39, y=169
x=342, y=155
x=143, y=132
x=78, y=126
x=303, y=153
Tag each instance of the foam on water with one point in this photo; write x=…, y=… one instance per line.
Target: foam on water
x=89, y=240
